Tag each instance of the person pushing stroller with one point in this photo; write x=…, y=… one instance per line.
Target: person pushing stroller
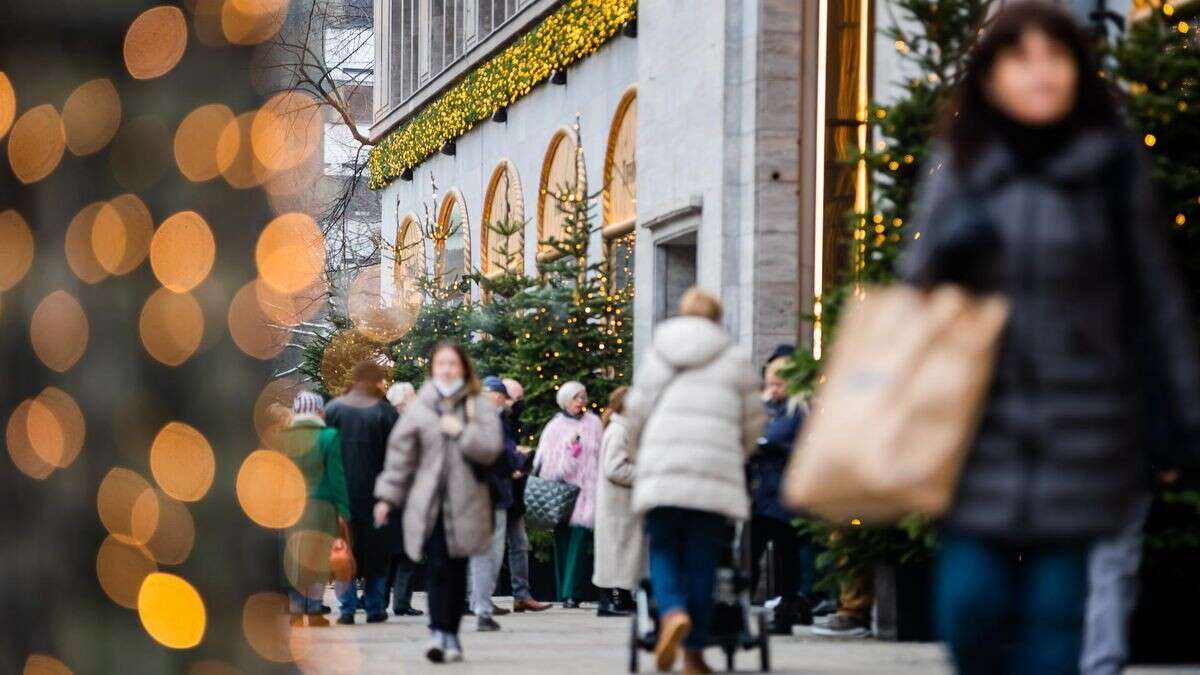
x=695, y=409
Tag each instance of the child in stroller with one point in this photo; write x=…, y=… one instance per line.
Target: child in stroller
x=736, y=625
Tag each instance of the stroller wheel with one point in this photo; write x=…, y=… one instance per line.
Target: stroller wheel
x=764, y=644
x=634, y=643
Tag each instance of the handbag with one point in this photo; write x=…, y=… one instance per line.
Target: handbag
x=341, y=555
x=548, y=503
x=904, y=390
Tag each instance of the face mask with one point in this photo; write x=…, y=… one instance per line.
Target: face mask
x=448, y=388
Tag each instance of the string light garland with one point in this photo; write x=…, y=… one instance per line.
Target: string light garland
x=570, y=33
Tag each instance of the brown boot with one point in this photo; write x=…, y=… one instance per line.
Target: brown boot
x=693, y=662
x=672, y=630
x=530, y=605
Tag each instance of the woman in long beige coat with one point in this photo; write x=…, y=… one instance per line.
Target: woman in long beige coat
x=434, y=468
x=618, y=528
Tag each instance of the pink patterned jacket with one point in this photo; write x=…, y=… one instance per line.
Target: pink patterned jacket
x=558, y=459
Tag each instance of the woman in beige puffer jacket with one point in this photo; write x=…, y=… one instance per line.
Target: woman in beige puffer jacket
x=434, y=471
x=695, y=411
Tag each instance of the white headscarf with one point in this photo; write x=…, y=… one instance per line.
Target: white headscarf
x=401, y=392
x=567, y=392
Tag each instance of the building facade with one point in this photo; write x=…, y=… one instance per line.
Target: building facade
x=714, y=138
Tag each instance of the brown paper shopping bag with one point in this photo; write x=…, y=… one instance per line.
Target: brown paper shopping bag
x=904, y=388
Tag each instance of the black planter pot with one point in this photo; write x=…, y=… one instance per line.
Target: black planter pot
x=903, y=602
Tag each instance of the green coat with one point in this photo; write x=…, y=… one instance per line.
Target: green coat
x=317, y=452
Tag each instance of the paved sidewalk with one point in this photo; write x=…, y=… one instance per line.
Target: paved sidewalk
x=577, y=642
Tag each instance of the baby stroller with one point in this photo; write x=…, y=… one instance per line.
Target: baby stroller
x=736, y=624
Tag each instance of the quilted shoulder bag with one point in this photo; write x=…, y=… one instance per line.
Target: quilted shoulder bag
x=548, y=503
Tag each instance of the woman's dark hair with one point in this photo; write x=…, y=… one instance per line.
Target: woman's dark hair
x=470, y=380
x=616, y=403
x=969, y=122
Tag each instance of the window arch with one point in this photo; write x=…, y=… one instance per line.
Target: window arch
x=620, y=193
x=562, y=168
x=452, y=240
x=502, y=232
x=409, y=267
x=620, y=168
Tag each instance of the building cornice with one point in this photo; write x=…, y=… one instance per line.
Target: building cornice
x=572, y=32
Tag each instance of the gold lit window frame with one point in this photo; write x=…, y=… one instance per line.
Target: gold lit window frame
x=843, y=94
x=620, y=208
x=443, y=230
x=559, y=167
x=503, y=194
x=408, y=268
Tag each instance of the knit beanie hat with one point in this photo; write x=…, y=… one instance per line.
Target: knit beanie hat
x=568, y=391
x=308, y=403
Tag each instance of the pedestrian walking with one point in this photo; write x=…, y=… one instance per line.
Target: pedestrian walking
x=619, y=539
x=363, y=419
x=771, y=523
x=516, y=536
x=1037, y=192
x=569, y=450
x=438, y=458
x=485, y=567
x=316, y=450
x=695, y=408
x=401, y=570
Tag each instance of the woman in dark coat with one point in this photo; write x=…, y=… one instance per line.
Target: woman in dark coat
x=1037, y=192
x=364, y=418
x=771, y=522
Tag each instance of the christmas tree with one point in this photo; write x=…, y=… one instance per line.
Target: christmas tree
x=1158, y=65
x=572, y=324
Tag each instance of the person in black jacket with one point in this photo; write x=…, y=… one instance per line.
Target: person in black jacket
x=517, y=537
x=1037, y=192
x=771, y=522
x=364, y=418
x=485, y=568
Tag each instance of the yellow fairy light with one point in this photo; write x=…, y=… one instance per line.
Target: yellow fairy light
x=1180, y=219
x=1183, y=27
x=1149, y=140
x=1168, y=9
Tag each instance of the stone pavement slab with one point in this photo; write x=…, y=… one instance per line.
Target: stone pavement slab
x=577, y=642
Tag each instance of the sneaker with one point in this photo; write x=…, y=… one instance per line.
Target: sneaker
x=486, y=624
x=824, y=608
x=408, y=612
x=435, y=649
x=843, y=626
x=454, y=652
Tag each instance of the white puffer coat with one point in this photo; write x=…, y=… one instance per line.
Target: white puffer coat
x=696, y=413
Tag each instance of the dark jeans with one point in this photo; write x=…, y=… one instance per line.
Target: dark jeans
x=400, y=576
x=447, y=582
x=1007, y=609
x=785, y=556
x=685, y=548
x=374, y=599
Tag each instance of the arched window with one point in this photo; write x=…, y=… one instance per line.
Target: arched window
x=452, y=240
x=562, y=174
x=409, y=269
x=620, y=191
x=502, y=234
